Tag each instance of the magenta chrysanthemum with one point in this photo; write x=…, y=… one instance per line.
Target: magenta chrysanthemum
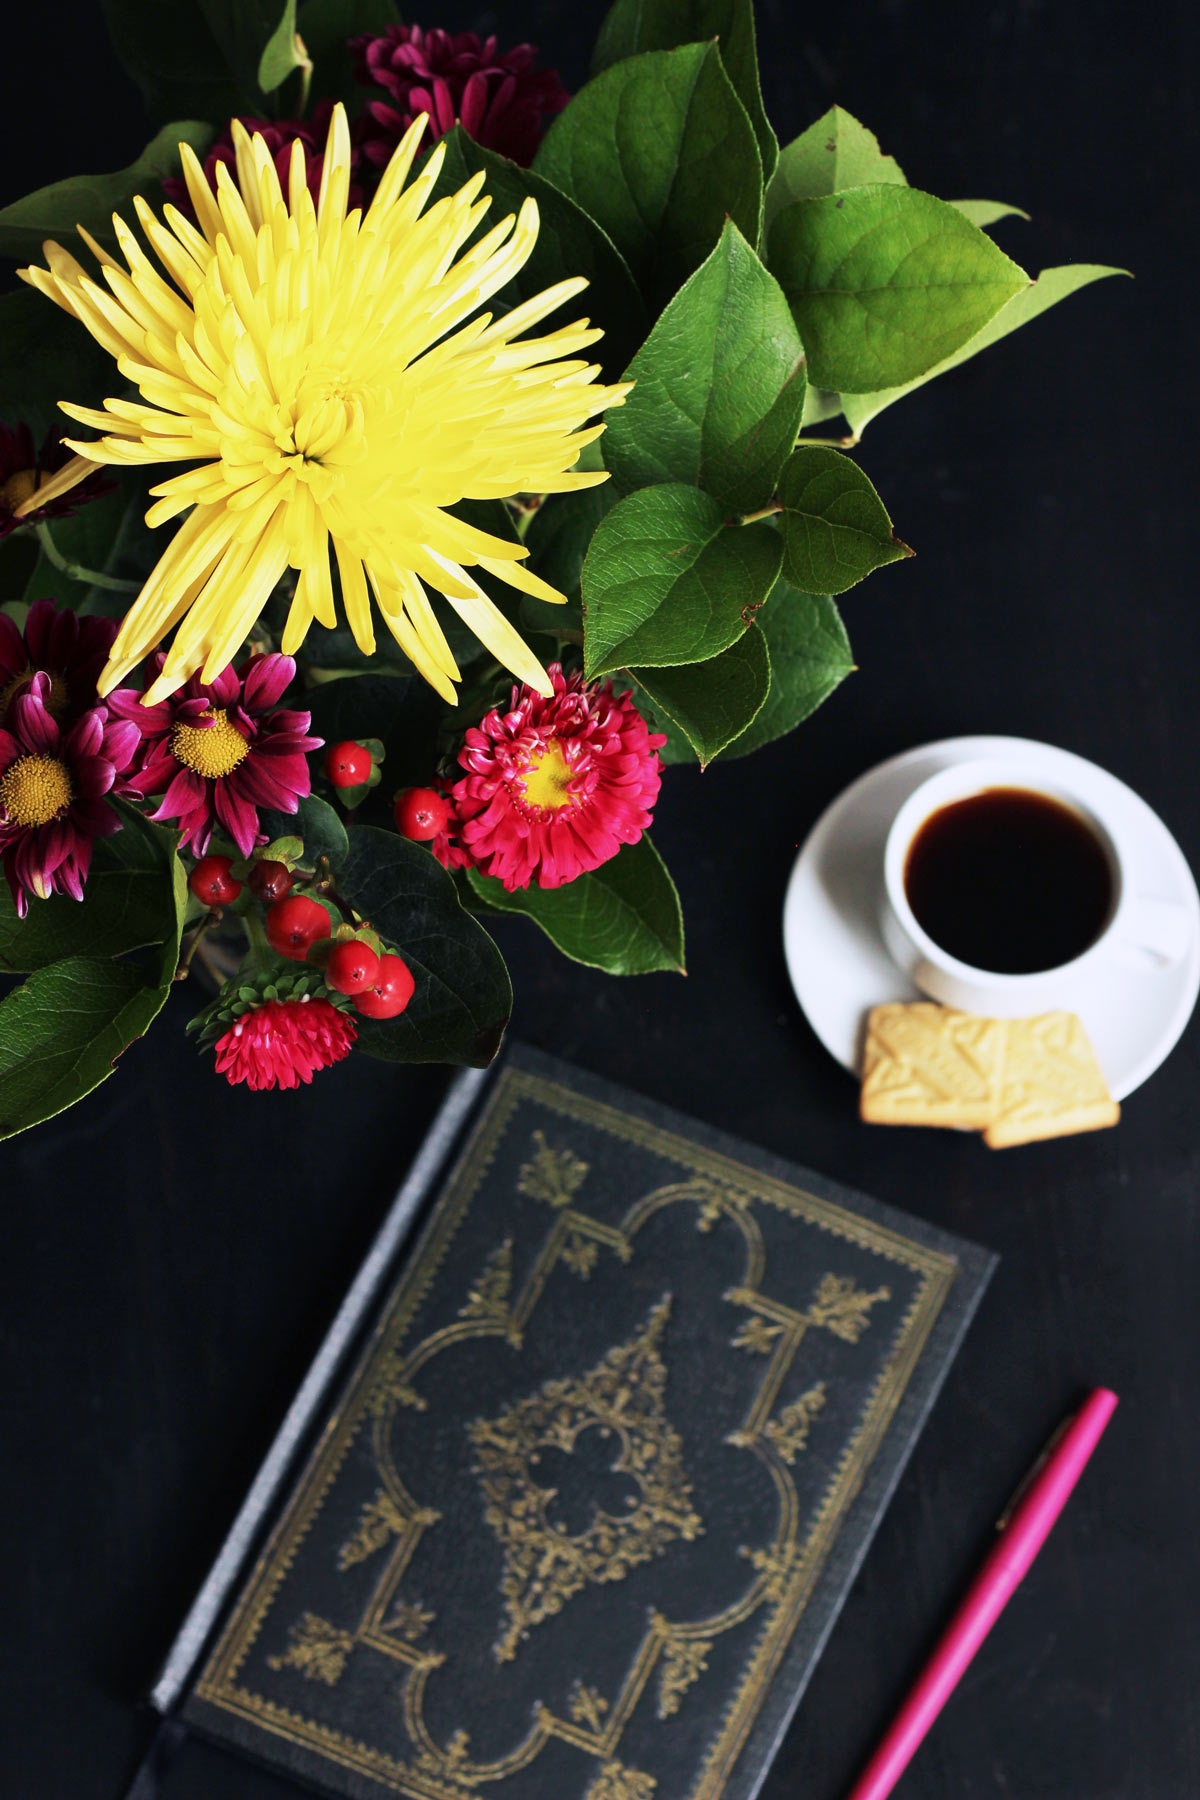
x=278, y=135
x=24, y=471
x=284, y=1042
x=500, y=97
x=55, y=642
x=53, y=785
x=554, y=786
x=218, y=751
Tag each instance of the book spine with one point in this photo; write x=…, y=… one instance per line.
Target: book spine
x=433, y=1156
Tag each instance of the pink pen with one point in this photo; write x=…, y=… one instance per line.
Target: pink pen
x=1040, y=1499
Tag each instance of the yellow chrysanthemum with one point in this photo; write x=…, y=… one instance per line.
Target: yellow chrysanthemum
x=325, y=374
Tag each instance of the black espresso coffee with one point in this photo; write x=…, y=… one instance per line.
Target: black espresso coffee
x=1009, y=880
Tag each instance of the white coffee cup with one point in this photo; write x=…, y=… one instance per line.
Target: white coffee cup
x=1140, y=928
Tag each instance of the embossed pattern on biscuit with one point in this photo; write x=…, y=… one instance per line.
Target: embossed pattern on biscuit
x=929, y=1065
x=1053, y=1085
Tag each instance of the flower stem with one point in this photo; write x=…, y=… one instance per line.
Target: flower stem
x=76, y=571
x=764, y=512
x=259, y=947
x=185, y=962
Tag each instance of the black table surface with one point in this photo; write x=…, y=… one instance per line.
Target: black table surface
x=172, y=1248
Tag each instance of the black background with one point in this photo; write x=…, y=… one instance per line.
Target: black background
x=172, y=1249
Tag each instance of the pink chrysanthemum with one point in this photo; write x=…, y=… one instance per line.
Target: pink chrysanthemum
x=55, y=642
x=221, y=750
x=279, y=135
x=24, y=471
x=501, y=99
x=554, y=786
x=52, y=793
x=284, y=1042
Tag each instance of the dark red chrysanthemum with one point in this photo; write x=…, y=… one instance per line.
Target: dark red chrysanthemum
x=279, y=135
x=53, y=785
x=218, y=751
x=555, y=786
x=55, y=642
x=23, y=471
x=284, y=1042
x=500, y=97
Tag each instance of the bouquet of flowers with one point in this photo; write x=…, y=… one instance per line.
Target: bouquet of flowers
x=400, y=464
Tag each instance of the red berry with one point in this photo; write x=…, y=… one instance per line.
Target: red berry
x=294, y=924
x=390, y=992
x=211, y=881
x=420, y=813
x=347, y=764
x=271, y=880
x=352, y=967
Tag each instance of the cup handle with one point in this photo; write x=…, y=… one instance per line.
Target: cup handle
x=1155, y=932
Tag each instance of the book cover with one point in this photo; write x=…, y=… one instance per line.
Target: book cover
x=582, y=1518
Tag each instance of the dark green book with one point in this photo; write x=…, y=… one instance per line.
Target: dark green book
x=586, y=1507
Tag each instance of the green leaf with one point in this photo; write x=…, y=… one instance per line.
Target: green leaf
x=713, y=702
x=666, y=581
x=129, y=901
x=885, y=282
x=316, y=823
x=279, y=55
x=569, y=244
x=196, y=58
x=633, y=27
x=87, y=539
x=326, y=27
x=719, y=385
x=62, y=1031
x=810, y=655
x=834, y=154
x=1051, y=286
x=623, y=917
x=659, y=150
x=463, y=997
x=91, y=200
x=835, y=526
x=986, y=212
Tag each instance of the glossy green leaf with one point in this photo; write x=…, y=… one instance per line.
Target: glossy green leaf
x=85, y=539
x=45, y=353
x=810, y=656
x=834, y=154
x=987, y=212
x=835, y=526
x=131, y=900
x=569, y=243
x=91, y=200
x=316, y=824
x=885, y=282
x=463, y=998
x=326, y=27
x=623, y=917
x=719, y=386
x=362, y=706
x=667, y=581
x=634, y=26
x=1051, y=286
x=659, y=150
x=62, y=1030
x=712, y=702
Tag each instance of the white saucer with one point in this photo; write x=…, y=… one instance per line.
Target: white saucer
x=836, y=956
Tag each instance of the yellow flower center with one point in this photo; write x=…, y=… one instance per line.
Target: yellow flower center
x=211, y=750
x=35, y=789
x=16, y=490
x=547, y=780
x=55, y=702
